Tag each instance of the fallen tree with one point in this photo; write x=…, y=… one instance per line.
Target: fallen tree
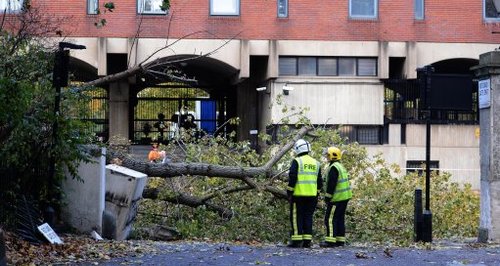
x=245, y=174
x=202, y=169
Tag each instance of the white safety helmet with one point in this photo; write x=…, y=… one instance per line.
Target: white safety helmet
x=301, y=146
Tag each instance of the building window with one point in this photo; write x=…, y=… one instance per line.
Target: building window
x=419, y=166
x=367, y=67
x=419, y=9
x=327, y=66
x=9, y=6
x=365, y=134
x=369, y=135
x=224, y=7
x=347, y=67
x=282, y=8
x=150, y=7
x=363, y=8
x=288, y=66
x=491, y=9
x=92, y=7
x=307, y=66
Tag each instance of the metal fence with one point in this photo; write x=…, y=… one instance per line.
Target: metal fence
x=99, y=112
x=403, y=104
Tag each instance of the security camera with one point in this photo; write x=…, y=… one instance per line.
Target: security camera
x=287, y=89
x=261, y=89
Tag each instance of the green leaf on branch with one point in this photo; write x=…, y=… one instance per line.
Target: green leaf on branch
x=165, y=5
x=110, y=6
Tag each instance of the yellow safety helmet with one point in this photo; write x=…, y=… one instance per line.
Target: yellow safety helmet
x=333, y=154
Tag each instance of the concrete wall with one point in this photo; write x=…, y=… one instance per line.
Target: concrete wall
x=85, y=199
x=456, y=147
x=356, y=101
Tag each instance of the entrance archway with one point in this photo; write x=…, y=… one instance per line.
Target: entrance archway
x=199, y=94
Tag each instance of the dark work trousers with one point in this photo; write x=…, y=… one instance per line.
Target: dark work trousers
x=301, y=217
x=335, y=221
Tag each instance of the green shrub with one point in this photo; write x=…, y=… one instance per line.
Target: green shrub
x=381, y=211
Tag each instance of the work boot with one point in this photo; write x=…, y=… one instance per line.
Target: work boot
x=295, y=244
x=306, y=244
x=326, y=244
x=339, y=243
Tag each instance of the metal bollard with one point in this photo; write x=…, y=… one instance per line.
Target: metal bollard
x=418, y=220
x=427, y=226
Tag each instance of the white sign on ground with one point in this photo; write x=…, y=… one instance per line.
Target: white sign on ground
x=49, y=233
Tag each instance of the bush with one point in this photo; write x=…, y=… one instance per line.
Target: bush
x=381, y=210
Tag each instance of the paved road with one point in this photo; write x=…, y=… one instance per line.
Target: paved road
x=197, y=253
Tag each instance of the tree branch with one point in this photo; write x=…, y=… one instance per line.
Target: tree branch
x=190, y=201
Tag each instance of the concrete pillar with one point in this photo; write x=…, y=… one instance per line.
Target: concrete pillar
x=102, y=52
x=118, y=109
x=244, y=59
x=383, y=61
x=411, y=60
x=273, y=63
x=132, y=44
x=488, y=73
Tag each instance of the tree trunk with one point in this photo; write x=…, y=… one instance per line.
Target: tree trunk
x=204, y=169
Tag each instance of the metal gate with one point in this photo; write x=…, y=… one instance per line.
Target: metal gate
x=99, y=113
x=161, y=112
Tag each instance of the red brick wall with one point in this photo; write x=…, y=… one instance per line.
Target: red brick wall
x=445, y=21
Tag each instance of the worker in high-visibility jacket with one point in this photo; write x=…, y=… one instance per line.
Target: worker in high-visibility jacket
x=304, y=185
x=154, y=154
x=337, y=195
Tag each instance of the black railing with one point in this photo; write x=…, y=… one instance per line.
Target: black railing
x=99, y=113
x=403, y=104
